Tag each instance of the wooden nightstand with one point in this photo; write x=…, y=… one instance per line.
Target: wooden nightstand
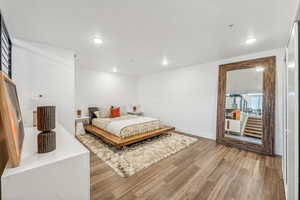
x=136, y=113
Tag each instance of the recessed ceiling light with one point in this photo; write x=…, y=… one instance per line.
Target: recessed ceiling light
x=250, y=40
x=97, y=40
x=165, y=61
x=259, y=69
x=115, y=69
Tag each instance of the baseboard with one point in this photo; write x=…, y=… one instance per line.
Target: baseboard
x=195, y=136
x=285, y=190
x=201, y=134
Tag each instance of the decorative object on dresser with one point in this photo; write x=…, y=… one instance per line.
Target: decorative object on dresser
x=3, y=150
x=45, y=123
x=78, y=112
x=5, y=49
x=4, y=154
x=11, y=123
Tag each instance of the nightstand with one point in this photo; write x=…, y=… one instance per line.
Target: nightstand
x=79, y=122
x=136, y=113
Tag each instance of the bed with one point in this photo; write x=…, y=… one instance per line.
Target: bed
x=126, y=129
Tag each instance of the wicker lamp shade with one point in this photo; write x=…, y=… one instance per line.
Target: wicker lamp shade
x=45, y=123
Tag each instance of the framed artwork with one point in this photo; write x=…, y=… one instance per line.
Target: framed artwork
x=11, y=127
x=3, y=149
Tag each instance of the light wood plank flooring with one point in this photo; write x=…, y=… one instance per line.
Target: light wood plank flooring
x=202, y=171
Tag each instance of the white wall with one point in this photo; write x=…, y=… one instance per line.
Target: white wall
x=40, y=69
x=94, y=88
x=187, y=97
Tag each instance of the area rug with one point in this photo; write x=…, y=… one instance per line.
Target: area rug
x=133, y=158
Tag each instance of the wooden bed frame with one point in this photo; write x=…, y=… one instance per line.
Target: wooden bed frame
x=118, y=141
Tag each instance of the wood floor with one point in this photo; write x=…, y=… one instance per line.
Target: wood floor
x=202, y=171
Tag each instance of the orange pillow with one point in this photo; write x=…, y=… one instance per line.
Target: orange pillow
x=115, y=112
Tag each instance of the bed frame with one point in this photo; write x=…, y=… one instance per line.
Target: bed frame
x=118, y=141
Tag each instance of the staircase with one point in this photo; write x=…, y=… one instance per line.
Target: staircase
x=254, y=127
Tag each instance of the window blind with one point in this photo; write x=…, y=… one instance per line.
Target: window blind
x=5, y=50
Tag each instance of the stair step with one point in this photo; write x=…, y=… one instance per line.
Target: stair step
x=258, y=123
x=257, y=118
x=253, y=132
x=259, y=129
x=253, y=135
x=254, y=125
x=254, y=120
x=249, y=122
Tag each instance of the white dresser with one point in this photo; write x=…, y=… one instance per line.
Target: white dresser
x=62, y=174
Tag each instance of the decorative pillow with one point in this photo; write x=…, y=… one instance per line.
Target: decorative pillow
x=115, y=112
x=123, y=110
x=97, y=113
x=104, y=112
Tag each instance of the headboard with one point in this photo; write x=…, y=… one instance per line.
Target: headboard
x=91, y=112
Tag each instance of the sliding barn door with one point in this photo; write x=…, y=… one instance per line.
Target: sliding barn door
x=291, y=135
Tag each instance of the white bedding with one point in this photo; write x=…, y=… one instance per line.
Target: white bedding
x=116, y=127
x=126, y=126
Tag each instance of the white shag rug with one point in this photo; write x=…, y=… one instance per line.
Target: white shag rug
x=133, y=158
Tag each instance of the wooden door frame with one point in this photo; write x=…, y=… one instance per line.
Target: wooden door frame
x=267, y=146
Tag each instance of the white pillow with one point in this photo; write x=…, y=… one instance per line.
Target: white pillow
x=97, y=113
x=123, y=110
x=104, y=112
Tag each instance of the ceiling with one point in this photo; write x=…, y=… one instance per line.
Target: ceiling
x=137, y=34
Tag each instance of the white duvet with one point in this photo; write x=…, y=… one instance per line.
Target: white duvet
x=116, y=127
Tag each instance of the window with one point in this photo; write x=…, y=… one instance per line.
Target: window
x=5, y=51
